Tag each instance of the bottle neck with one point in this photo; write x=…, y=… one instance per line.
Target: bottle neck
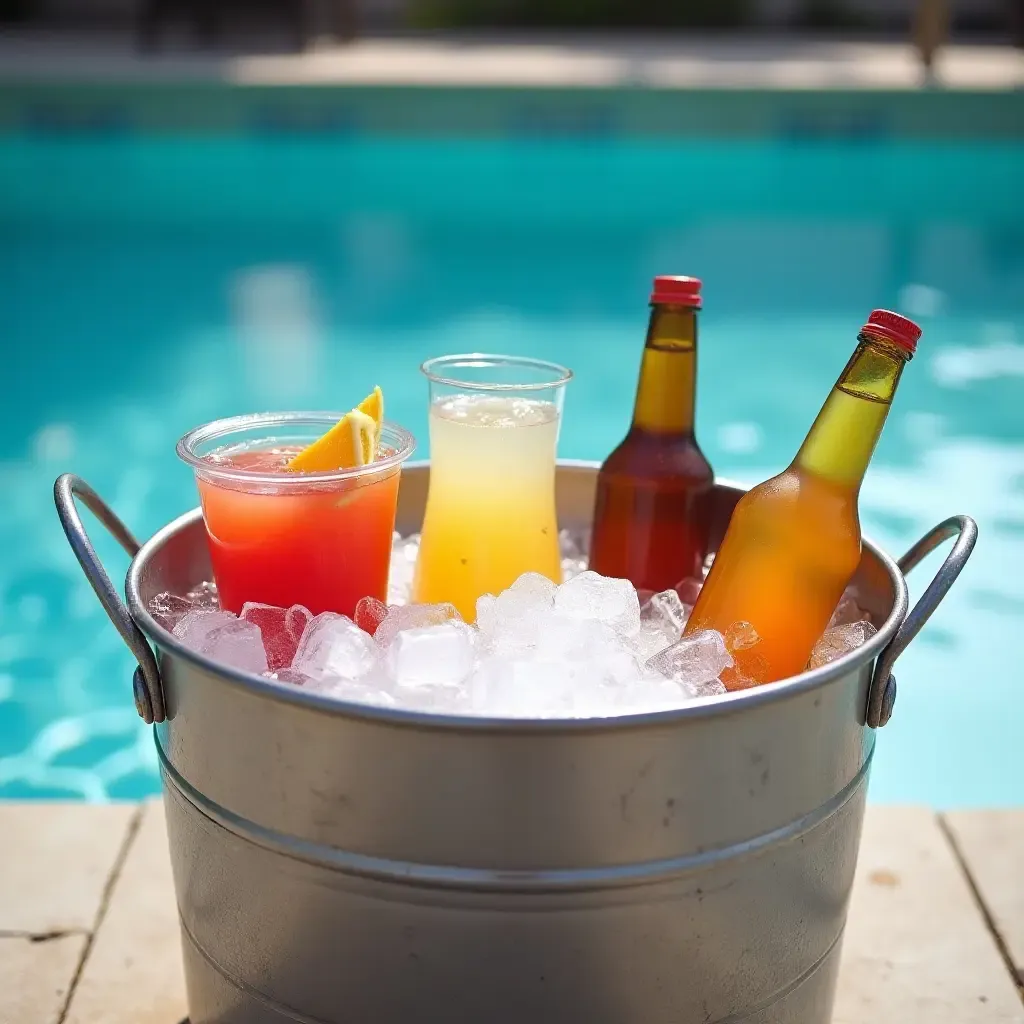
x=842, y=440
x=666, y=394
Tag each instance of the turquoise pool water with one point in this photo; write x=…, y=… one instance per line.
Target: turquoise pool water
x=147, y=285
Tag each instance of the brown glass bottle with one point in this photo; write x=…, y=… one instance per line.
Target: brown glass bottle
x=652, y=510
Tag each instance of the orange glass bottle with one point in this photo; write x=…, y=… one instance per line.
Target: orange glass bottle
x=794, y=542
x=651, y=515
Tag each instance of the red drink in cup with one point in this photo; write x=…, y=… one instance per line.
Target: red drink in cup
x=319, y=539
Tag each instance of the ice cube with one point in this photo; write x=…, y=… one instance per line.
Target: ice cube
x=662, y=618
x=333, y=645
x=649, y=641
x=608, y=681
x=560, y=637
x=365, y=690
x=695, y=661
x=542, y=664
x=282, y=629
x=750, y=667
x=204, y=595
x=238, y=644
x=225, y=639
x=665, y=613
x=531, y=593
x=848, y=611
x=688, y=590
x=618, y=666
x=523, y=620
x=711, y=688
x=518, y=615
x=439, y=655
x=741, y=636
x=169, y=609
x=600, y=598
x=511, y=686
x=839, y=640
x=288, y=675
x=369, y=614
x=486, y=616
x=413, y=616
x=193, y=628
x=574, y=548
x=647, y=691
x=404, y=552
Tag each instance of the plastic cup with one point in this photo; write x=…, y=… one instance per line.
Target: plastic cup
x=322, y=540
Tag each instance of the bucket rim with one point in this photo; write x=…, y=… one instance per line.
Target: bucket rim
x=702, y=707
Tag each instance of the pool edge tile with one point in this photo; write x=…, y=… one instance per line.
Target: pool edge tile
x=57, y=864
x=37, y=976
x=990, y=844
x=133, y=971
x=916, y=946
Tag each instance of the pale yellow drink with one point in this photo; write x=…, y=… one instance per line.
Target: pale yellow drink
x=491, y=508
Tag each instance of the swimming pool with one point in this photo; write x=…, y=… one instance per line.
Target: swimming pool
x=151, y=283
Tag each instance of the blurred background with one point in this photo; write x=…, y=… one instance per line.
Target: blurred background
x=223, y=20
x=213, y=208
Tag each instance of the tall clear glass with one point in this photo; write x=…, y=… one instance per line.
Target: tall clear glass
x=490, y=513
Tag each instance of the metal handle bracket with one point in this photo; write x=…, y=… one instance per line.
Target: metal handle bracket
x=882, y=691
x=148, y=693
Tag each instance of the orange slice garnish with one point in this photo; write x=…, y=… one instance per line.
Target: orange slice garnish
x=350, y=443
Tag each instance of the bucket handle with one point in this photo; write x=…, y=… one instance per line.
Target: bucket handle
x=149, y=697
x=882, y=691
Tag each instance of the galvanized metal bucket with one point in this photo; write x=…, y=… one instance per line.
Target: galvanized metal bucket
x=355, y=865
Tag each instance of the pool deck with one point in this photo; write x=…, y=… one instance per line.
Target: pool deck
x=666, y=61
x=88, y=928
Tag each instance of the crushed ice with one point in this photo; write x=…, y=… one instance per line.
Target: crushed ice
x=591, y=647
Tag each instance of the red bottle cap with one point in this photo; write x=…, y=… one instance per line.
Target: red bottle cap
x=676, y=291
x=884, y=324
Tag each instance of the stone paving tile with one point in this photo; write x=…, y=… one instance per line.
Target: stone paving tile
x=55, y=862
x=916, y=947
x=133, y=972
x=991, y=844
x=35, y=977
